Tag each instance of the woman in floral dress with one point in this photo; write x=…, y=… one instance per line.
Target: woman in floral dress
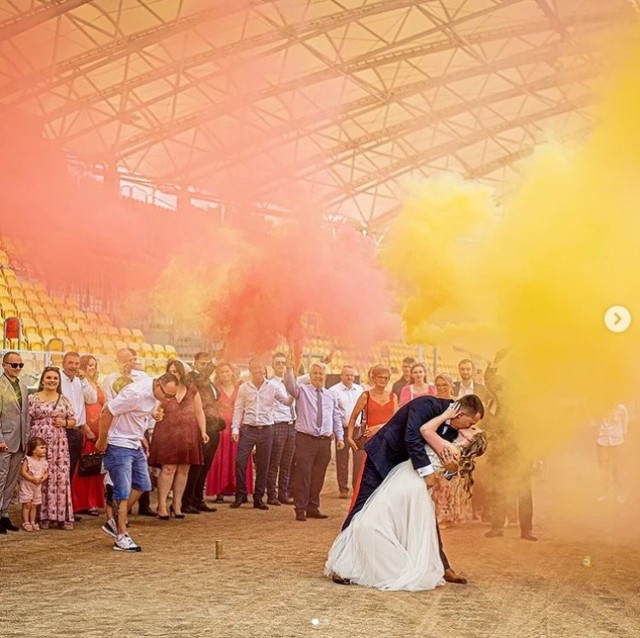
x=50, y=413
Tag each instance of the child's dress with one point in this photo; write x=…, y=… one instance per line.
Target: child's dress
x=30, y=492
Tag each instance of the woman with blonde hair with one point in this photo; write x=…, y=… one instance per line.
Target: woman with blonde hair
x=444, y=386
x=376, y=406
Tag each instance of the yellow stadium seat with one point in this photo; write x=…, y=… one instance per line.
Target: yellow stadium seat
x=150, y=369
x=104, y=318
x=58, y=324
x=159, y=351
x=71, y=304
x=112, y=331
x=41, y=318
x=132, y=345
x=47, y=333
x=35, y=342
x=23, y=309
x=8, y=309
x=4, y=258
x=146, y=350
x=171, y=352
x=16, y=292
x=125, y=333
x=38, y=285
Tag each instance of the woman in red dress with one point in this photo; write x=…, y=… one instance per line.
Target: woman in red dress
x=221, y=480
x=377, y=406
x=176, y=442
x=88, y=491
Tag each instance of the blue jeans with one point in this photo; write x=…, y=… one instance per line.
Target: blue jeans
x=128, y=469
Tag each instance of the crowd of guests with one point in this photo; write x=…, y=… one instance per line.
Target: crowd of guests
x=198, y=433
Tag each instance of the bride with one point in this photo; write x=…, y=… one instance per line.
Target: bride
x=392, y=543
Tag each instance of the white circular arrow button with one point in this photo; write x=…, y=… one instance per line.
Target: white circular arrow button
x=617, y=318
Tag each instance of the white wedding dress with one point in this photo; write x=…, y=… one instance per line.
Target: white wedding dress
x=392, y=543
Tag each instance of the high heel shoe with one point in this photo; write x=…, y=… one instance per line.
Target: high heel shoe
x=163, y=518
x=172, y=512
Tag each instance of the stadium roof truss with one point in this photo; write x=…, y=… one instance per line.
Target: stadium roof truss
x=343, y=100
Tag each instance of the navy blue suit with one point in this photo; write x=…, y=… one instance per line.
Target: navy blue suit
x=398, y=441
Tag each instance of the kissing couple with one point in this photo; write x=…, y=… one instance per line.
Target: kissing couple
x=390, y=539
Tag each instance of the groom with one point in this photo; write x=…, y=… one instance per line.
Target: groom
x=400, y=439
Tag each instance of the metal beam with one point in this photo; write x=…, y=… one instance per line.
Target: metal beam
x=41, y=13
x=108, y=53
x=52, y=77
x=150, y=137
x=410, y=162
x=349, y=67
x=328, y=117
x=374, y=139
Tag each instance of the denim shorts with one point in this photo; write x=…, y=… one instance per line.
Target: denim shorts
x=128, y=469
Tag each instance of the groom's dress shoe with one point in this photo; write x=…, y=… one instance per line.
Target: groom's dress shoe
x=339, y=580
x=528, y=536
x=451, y=577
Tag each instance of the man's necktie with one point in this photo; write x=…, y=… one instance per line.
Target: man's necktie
x=319, y=409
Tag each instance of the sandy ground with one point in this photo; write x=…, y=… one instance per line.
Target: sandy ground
x=270, y=580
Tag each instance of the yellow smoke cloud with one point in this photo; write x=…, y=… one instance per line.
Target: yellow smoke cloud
x=566, y=249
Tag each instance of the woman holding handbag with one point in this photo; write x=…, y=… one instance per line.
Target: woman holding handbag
x=377, y=406
x=87, y=490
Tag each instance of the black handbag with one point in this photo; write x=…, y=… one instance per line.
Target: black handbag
x=90, y=464
x=361, y=440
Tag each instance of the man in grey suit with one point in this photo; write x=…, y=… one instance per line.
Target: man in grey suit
x=14, y=432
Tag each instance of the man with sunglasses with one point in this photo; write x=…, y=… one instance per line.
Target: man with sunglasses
x=123, y=423
x=14, y=432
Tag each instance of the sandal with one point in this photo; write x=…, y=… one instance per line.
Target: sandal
x=36, y=527
x=27, y=527
x=93, y=511
x=66, y=526
x=44, y=524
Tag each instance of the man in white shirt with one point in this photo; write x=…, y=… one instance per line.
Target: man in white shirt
x=123, y=423
x=284, y=440
x=79, y=391
x=253, y=411
x=126, y=373
x=347, y=392
x=126, y=362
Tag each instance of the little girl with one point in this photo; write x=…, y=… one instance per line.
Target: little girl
x=34, y=472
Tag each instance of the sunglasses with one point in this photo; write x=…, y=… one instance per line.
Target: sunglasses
x=15, y=366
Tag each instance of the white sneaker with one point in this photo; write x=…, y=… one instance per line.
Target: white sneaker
x=110, y=528
x=125, y=544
